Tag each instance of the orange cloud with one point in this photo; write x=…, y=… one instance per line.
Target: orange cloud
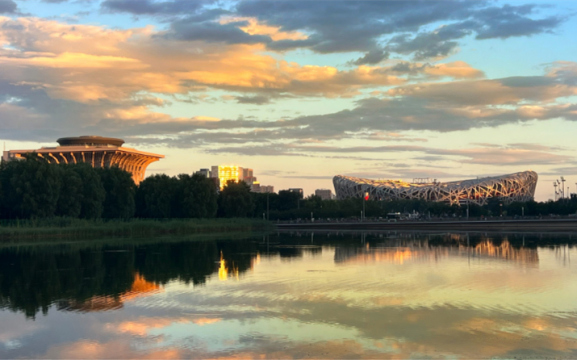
x=457, y=69
x=86, y=349
x=256, y=28
x=142, y=326
x=115, y=64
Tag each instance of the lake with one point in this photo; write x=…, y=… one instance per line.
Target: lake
x=293, y=295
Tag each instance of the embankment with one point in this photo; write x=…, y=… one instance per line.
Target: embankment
x=548, y=225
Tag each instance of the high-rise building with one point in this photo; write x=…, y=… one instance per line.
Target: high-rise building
x=247, y=176
x=225, y=173
x=98, y=151
x=324, y=194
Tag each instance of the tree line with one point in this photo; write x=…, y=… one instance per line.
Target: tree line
x=33, y=188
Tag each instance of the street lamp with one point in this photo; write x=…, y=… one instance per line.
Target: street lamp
x=365, y=198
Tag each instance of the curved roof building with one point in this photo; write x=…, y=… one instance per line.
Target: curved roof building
x=97, y=151
x=513, y=187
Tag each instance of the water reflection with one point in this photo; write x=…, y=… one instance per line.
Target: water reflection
x=32, y=279
x=361, y=295
x=140, y=287
x=422, y=251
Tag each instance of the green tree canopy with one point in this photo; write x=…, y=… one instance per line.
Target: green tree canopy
x=120, y=189
x=235, y=200
x=198, y=196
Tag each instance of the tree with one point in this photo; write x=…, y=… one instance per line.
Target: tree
x=235, y=200
x=31, y=187
x=156, y=197
x=198, y=197
x=120, y=189
x=93, y=193
x=288, y=200
x=71, y=192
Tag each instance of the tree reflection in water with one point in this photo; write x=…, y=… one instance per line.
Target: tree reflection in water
x=94, y=278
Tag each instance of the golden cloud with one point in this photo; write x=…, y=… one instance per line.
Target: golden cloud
x=115, y=64
x=256, y=28
x=457, y=69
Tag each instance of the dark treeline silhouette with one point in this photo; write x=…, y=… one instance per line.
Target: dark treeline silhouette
x=287, y=205
x=32, y=189
x=32, y=279
x=36, y=189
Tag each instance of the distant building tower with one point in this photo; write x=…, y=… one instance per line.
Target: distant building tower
x=225, y=173
x=247, y=176
x=256, y=187
x=267, y=189
x=298, y=191
x=324, y=194
x=98, y=151
x=204, y=172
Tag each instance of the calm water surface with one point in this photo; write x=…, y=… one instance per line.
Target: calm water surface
x=294, y=296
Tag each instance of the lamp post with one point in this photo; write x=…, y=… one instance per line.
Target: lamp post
x=562, y=187
x=365, y=198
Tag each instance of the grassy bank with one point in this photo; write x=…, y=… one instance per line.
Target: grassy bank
x=64, y=228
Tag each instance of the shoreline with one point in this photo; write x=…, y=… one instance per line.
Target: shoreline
x=521, y=225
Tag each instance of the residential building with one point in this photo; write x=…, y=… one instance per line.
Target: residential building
x=325, y=194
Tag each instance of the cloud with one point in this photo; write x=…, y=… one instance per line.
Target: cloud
x=508, y=21
x=8, y=7
x=116, y=64
x=150, y=7
x=251, y=26
x=507, y=156
x=332, y=29
x=455, y=70
x=327, y=27
x=117, y=82
x=228, y=33
x=372, y=57
x=256, y=100
x=511, y=90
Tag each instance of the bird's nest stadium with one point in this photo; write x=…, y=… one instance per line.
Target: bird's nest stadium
x=508, y=188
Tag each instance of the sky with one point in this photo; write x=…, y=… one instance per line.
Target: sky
x=301, y=91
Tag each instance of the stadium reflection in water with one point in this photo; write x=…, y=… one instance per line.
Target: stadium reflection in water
x=361, y=295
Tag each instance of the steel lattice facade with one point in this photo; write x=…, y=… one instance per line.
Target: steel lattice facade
x=509, y=188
